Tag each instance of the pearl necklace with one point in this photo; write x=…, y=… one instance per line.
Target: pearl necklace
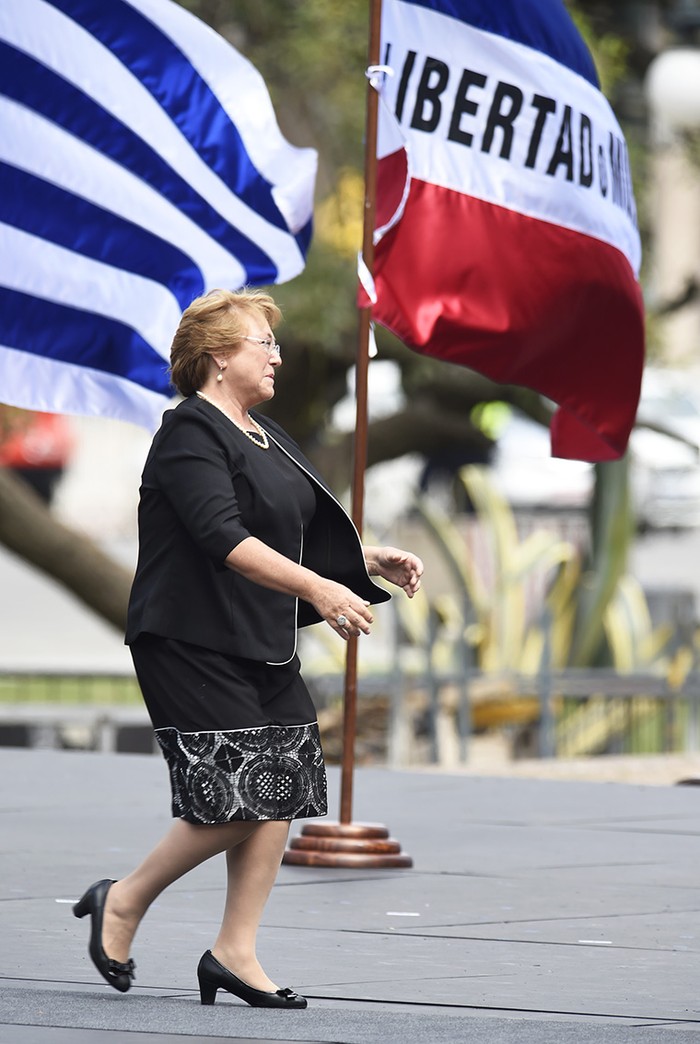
x=263, y=444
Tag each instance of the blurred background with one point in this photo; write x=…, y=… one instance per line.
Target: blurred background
x=559, y=616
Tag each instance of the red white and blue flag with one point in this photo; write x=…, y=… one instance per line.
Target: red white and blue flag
x=516, y=251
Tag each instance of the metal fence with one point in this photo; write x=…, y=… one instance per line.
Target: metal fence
x=563, y=714
x=78, y=711
x=427, y=717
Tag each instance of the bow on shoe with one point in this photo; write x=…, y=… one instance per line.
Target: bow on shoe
x=117, y=968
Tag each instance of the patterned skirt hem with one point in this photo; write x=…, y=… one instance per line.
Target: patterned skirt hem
x=271, y=773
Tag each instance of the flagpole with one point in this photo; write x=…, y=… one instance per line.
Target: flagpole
x=361, y=405
x=346, y=843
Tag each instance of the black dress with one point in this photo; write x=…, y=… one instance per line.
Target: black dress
x=240, y=736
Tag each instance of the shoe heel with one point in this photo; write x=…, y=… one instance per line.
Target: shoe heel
x=207, y=991
x=82, y=907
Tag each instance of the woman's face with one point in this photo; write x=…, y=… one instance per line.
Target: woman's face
x=251, y=367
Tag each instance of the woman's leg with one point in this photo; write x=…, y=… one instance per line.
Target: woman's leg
x=185, y=846
x=251, y=871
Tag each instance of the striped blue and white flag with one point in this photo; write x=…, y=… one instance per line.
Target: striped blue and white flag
x=140, y=165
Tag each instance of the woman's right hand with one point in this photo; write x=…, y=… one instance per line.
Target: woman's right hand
x=341, y=608
x=332, y=601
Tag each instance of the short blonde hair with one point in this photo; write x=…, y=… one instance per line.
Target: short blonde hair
x=214, y=323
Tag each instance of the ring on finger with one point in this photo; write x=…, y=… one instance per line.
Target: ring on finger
x=342, y=621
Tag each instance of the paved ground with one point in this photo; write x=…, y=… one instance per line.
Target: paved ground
x=489, y=755
x=537, y=912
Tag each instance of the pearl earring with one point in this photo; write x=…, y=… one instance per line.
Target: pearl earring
x=219, y=377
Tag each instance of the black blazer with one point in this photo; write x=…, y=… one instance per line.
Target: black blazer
x=205, y=489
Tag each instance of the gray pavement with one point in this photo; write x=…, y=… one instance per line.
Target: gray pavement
x=536, y=911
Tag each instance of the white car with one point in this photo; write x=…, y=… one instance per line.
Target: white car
x=664, y=474
x=524, y=471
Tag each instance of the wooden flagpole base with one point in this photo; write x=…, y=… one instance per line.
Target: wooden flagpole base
x=345, y=844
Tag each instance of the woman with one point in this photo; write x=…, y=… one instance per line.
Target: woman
x=240, y=543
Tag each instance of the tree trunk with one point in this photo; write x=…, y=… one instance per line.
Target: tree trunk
x=414, y=430
x=29, y=529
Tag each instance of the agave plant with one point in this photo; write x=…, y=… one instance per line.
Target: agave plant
x=588, y=603
x=500, y=628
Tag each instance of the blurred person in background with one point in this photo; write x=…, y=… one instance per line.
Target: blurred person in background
x=36, y=447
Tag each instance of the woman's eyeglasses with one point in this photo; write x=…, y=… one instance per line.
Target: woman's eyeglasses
x=272, y=347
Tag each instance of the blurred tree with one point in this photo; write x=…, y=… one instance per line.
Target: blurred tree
x=28, y=529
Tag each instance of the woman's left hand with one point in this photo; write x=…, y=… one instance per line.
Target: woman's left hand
x=398, y=567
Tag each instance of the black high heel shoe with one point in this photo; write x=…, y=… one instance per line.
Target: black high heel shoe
x=117, y=974
x=214, y=976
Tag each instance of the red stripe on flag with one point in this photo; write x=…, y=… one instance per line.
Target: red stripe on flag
x=392, y=176
x=522, y=301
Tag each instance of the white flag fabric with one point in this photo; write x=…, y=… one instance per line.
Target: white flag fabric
x=141, y=165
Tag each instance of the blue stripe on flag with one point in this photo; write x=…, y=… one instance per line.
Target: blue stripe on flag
x=32, y=84
x=544, y=25
x=303, y=236
x=181, y=92
x=43, y=209
x=54, y=331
